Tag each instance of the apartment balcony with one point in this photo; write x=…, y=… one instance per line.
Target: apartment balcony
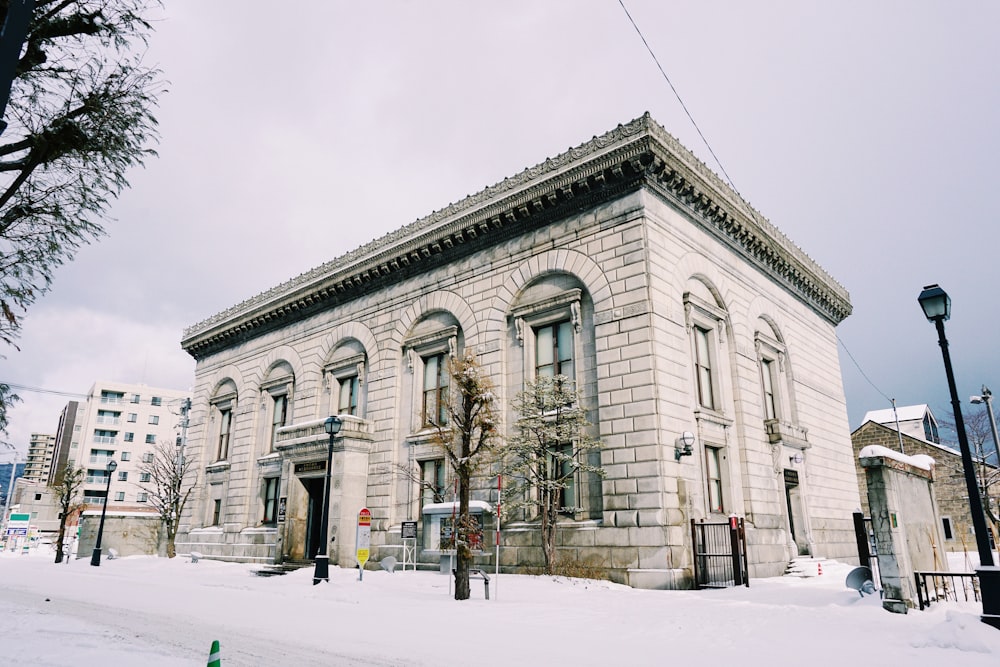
x=114, y=421
x=105, y=440
x=100, y=461
x=112, y=400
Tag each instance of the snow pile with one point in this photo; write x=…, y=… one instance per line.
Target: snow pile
x=158, y=612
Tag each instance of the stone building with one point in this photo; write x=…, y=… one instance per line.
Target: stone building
x=623, y=263
x=948, y=474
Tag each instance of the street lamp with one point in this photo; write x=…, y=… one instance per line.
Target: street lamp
x=937, y=308
x=986, y=398
x=322, y=572
x=95, y=559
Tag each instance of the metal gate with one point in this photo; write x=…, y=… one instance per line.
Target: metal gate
x=867, y=546
x=720, y=553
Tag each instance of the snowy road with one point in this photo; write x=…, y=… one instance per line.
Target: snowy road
x=154, y=612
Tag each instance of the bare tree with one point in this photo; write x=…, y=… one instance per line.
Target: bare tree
x=468, y=439
x=79, y=117
x=168, y=487
x=7, y=399
x=979, y=433
x=67, y=487
x=546, y=456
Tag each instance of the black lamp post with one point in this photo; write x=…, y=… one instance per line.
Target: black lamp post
x=937, y=308
x=95, y=559
x=322, y=572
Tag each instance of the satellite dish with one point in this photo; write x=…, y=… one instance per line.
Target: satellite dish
x=860, y=579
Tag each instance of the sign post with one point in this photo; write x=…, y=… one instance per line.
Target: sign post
x=409, y=535
x=364, y=539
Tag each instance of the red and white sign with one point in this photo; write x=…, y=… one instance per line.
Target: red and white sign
x=364, y=536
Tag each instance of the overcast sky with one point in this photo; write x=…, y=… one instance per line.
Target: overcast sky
x=294, y=132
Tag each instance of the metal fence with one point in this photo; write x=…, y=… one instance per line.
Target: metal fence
x=945, y=586
x=720, y=553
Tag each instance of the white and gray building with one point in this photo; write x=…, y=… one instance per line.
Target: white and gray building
x=626, y=263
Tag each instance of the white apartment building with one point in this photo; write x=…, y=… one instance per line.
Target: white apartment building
x=39, y=463
x=122, y=422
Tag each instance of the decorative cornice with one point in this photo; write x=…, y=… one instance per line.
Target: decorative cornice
x=637, y=154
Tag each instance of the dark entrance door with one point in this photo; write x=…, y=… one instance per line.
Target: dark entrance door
x=314, y=515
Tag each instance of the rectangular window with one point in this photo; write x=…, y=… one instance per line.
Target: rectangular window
x=225, y=419
x=136, y=398
x=133, y=417
x=279, y=416
x=122, y=476
x=147, y=457
x=120, y=496
x=141, y=497
x=127, y=455
x=156, y=400
x=949, y=533
x=129, y=437
x=554, y=350
x=703, y=367
x=349, y=391
x=112, y=396
x=108, y=417
x=150, y=439
x=144, y=477
x=767, y=382
x=435, y=404
x=563, y=472
x=154, y=419
x=270, y=500
x=216, y=511
x=713, y=474
x=432, y=481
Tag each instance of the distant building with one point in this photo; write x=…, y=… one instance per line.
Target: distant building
x=916, y=421
x=624, y=264
x=916, y=428
x=67, y=439
x=121, y=422
x=39, y=462
x=8, y=473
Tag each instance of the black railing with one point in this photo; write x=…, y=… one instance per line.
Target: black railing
x=946, y=586
x=720, y=553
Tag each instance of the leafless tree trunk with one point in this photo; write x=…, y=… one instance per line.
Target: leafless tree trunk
x=66, y=489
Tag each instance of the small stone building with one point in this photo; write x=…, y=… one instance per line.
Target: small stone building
x=950, y=488
x=624, y=264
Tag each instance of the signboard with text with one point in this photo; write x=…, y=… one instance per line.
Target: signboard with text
x=364, y=536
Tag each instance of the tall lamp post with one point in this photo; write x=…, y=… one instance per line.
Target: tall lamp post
x=322, y=572
x=95, y=559
x=936, y=305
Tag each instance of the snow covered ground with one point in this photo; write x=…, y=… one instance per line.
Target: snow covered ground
x=156, y=612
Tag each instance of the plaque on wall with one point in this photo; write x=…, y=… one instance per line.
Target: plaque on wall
x=282, y=505
x=791, y=477
x=310, y=466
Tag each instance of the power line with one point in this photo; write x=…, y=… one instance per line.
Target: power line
x=39, y=390
x=678, y=96
x=858, y=366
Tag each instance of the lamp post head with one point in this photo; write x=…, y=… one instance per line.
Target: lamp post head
x=683, y=445
x=333, y=424
x=112, y=465
x=935, y=302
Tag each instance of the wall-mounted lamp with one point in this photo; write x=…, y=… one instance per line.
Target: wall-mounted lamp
x=795, y=459
x=683, y=446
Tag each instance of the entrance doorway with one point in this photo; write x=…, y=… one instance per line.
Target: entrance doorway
x=314, y=514
x=793, y=501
